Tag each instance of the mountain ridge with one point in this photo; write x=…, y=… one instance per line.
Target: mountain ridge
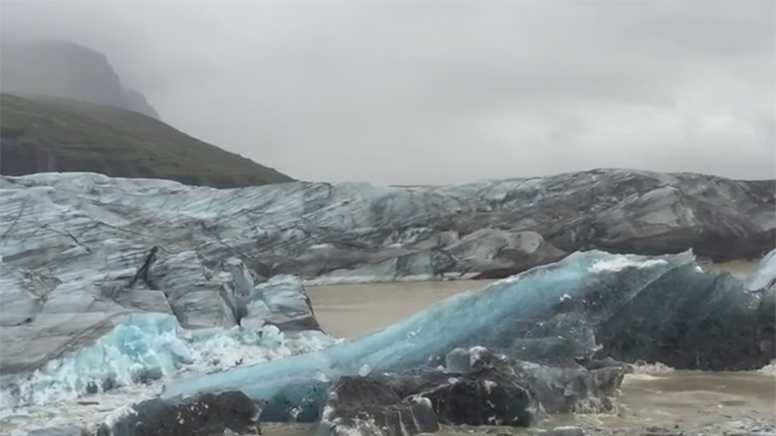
x=51, y=134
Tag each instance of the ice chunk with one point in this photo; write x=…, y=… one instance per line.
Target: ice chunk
x=458, y=361
x=280, y=302
x=526, y=316
x=493, y=318
x=151, y=346
x=143, y=347
x=765, y=275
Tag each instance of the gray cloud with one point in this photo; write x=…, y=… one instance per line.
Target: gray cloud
x=445, y=91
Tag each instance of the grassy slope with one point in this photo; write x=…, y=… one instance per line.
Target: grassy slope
x=51, y=134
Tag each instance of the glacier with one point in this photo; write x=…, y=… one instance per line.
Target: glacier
x=355, y=231
x=164, y=281
x=553, y=313
x=80, y=251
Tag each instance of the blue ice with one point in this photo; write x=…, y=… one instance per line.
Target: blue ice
x=493, y=317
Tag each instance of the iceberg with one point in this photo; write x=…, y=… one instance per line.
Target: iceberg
x=572, y=309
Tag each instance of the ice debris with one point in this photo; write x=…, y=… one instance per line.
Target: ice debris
x=152, y=346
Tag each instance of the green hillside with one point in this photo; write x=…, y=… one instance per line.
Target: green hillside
x=41, y=134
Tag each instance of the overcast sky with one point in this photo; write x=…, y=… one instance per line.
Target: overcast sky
x=407, y=92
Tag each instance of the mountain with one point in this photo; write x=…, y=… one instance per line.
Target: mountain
x=44, y=134
x=67, y=70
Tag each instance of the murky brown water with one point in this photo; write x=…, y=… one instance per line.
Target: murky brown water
x=690, y=401
x=352, y=310
x=684, y=396
x=738, y=268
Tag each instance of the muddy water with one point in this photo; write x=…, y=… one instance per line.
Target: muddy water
x=679, y=401
x=738, y=268
x=352, y=310
x=695, y=398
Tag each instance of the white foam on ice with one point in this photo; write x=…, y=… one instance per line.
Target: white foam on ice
x=765, y=274
x=655, y=368
x=769, y=369
x=618, y=263
x=220, y=349
x=87, y=413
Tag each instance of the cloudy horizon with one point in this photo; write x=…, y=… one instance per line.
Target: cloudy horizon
x=424, y=92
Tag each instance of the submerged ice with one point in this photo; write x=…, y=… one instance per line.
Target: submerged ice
x=573, y=309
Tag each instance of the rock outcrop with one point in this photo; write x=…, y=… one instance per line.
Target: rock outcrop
x=368, y=406
x=209, y=414
x=492, y=390
x=67, y=70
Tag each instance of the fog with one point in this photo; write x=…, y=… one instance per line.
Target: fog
x=426, y=92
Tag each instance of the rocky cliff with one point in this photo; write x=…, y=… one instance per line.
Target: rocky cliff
x=67, y=70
